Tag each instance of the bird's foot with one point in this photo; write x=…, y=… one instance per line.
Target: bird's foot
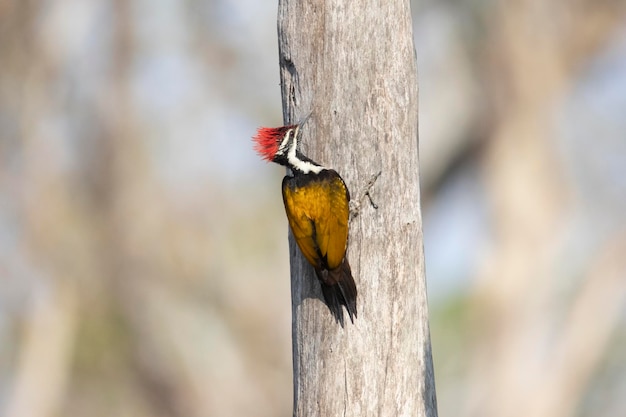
x=355, y=205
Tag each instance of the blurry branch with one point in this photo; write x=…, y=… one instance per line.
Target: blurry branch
x=43, y=369
x=49, y=232
x=124, y=191
x=576, y=30
x=535, y=54
x=593, y=318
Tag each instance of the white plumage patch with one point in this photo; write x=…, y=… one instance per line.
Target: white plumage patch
x=304, y=166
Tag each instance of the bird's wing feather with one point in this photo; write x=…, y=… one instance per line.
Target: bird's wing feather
x=318, y=215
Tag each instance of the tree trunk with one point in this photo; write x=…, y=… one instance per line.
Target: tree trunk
x=352, y=64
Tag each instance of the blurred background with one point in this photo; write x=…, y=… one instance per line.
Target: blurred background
x=143, y=245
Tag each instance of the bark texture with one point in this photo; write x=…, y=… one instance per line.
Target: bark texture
x=352, y=64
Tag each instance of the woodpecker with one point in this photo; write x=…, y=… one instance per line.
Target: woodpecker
x=316, y=201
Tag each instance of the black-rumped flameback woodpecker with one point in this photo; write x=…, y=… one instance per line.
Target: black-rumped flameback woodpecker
x=317, y=205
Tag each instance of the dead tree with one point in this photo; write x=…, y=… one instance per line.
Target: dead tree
x=352, y=64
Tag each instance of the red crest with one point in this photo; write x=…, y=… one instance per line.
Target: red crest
x=267, y=140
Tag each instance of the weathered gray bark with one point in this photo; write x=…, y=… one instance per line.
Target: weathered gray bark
x=353, y=65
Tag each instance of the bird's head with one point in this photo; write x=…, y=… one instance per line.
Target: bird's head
x=274, y=143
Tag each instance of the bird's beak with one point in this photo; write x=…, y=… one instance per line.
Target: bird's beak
x=305, y=119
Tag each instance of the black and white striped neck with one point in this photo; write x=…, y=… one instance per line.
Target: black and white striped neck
x=289, y=155
x=300, y=164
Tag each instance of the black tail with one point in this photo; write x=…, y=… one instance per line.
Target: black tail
x=339, y=290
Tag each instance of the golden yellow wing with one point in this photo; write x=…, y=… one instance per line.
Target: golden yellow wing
x=317, y=210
